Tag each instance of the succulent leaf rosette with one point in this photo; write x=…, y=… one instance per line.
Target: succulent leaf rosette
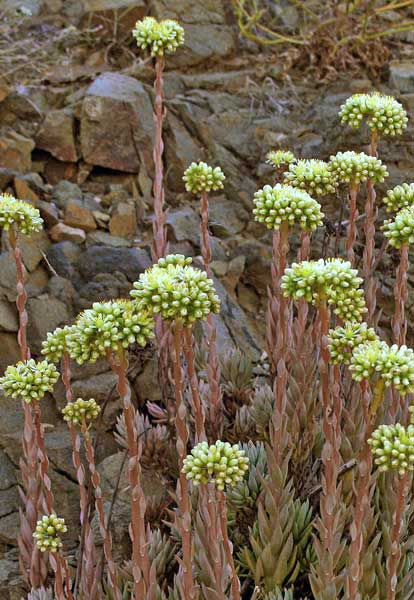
x=47, y=533
x=383, y=113
x=280, y=204
x=21, y=215
x=81, y=411
x=392, y=365
x=402, y=196
x=333, y=281
x=221, y=463
x=176, y=292
x=344, y=340
x=392, y=447
x=159, y=37
x=200, y=177
x=356, y=167
x=56, y=343
x=109, y=326
x=29, y=380
x=312, y=175
x=400, y=231
x=280, y=158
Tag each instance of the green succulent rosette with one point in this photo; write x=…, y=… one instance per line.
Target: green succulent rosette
x=47, y=533
x=200, y=177
x=392, y=447
x=312, y=175
x=158, y=37
x=356, y=167
x=344, y=340
x=383, y=113
x=402, y=196
x=280, y=158
x=400, y=231
x=29, y=380
x=21, y=215
x=280, y=204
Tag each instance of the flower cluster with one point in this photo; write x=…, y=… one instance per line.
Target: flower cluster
x=383, y=113
x=200, y=177
x=29, y=380
x=333, y=280
x=314, y=176
x=158, y=37
x=174, y=259
x=400, y=231
x=221, y=464
x=176, y=292
x=280, y=158
x=392, y=365
x=47, y=533
x=344, y=340
x=402, y=196
x=109, y=326
x=22, y=215
x=286, y=204
x=393, y=447
x=356, y=167
x=81, y=411
x=56, y=343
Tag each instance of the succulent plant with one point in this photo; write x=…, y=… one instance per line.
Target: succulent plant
x=108, y=326
x=400, y=231
x=159, y=37
x=402, y=196
x=356, y=167
x=280, y=158
x=261, y=409
x=29, y=380
x=383, y=113
x=279, y=594
x=55, y=344
x=334, y=280
x=40, y=594
x=200, y=177
x=47, y=533
x=344, y=340
x=21, y=215
x=220, y=463
x=312, y=175
x=174, y=259
x=176, y=292
x=243, y=496
x=81, y=411
x=280, y=204
x=392, y=365
x=393, y=447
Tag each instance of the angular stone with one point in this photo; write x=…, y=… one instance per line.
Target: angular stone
x=9, y=352
x=101, y=259
x=181, y=150
x=16, y=152
x=103, y=238
x=65, y=192
x=79, y=217
x=45, y=314
x=402, y=76
x=227, y=217
x=62, y=257
x=24, y=191
x=48, y=212
x=62, y=232
x=100, y=387
x=103, y=13
x=8, y=273
x=185, y=225
x=33, y=248
x=123, y=221
x=57, y=135
x=120, y=143
x=8, y=316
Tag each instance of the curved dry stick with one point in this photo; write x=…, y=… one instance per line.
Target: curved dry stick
x=183, y=498
x=235, y=583
x=353, y=216
x=137, y=529
x=399, y=322
x=394, y=558
x=194, y=385
x=106, y=536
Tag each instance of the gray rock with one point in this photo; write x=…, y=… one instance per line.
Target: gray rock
x=62, y=257
x=33, y=248
x=57, y=135
x=16, y=152
x=8, y=316
x=100, y=387
x=102, y=259
x=62, y=289
x=181, y=150
x=45, y=314
x=9, y=352
x=402, y=76
x=185, y=225
x=8, y=273
x=104, y=286
x=226, y=217
x=65, y=192
x=103, y=238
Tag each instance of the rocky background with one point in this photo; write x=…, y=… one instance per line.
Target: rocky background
x=76, y=132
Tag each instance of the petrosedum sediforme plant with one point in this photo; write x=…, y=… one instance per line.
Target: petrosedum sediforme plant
x=22, y=215
x=280, y=158
x=356, y=167
x=312, y=175
x=158, y=37
x=383, y=113
x=200, y=177
x=280, y=204
x=48, y=531
x=402, y=196
x=81, y=411
x=221, y=464
x=400, y=231
x=393, y=447
x=344, y=340
x=29, y=380
x=56, y=343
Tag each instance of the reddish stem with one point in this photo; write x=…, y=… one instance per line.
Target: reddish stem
x=369, y=228
x=235, y=583
x=56, y=562
x=209, y=494
x=159, y=246
x=194, y=385
x=353, y=216
x=395, y=556
x=44, y=461
x=399, y=322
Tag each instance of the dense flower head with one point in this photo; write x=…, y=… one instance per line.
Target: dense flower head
x=280, y=204
x=280, y=158
x=312, y=175
x=393, y=365
x=383, y=113
x=109, y=326
x=22, y=215
x=47, y=533
x=344, y=340
x=356, y=167
x=393, y=447
x=81, y=411
x=29, y=380
x=402, y=196
x=56, y=344
x=221, y=464
x=174, y=259
x=159, y=37
x=177, y=292
x=200, y=177
x=333, y=280
x=400, y=231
